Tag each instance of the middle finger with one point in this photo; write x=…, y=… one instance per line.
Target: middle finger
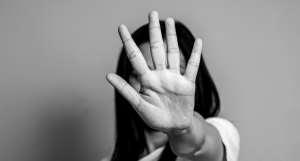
x=156, y=42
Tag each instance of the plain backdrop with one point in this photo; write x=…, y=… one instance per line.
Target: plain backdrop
x=54, y=55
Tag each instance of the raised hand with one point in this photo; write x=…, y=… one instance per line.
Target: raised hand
x=166, y=98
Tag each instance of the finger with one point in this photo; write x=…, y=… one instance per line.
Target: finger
x=134, y=54
x=173, y=49
x=156, y=42
x=131, y=95
x=194, y=61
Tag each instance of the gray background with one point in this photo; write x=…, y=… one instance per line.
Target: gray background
x=54, y=56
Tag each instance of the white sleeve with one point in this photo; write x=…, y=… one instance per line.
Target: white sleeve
x=108, y=155
x=229, y=135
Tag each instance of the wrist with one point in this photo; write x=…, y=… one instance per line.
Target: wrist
x=195, y=125
x=185, y=143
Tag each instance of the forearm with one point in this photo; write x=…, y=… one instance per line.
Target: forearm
x=200, y=141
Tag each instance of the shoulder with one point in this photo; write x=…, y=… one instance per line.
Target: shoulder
x=107, y=158
x=229, y=135
x=108, y=155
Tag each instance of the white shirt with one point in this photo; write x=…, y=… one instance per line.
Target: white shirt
x=229, y=135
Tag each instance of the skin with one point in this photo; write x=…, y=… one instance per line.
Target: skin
x=146, y=51
x=163, y=97
x=155, y=139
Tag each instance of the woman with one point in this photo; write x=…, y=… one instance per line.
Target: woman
x=163, y=113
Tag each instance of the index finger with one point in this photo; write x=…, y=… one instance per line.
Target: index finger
x=194, y=61
x=134, y=54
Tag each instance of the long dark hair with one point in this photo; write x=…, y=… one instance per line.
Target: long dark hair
x=130, y=138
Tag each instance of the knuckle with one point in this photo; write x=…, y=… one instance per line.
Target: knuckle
x=133, y=54
x=157, y=44
x=171, y=33
x=159, y=66
x=195, y=64
x=173, y=50
x=196, y=51
x=154, y=27
x=173, y=69
x=125, y=40
x=123, y=87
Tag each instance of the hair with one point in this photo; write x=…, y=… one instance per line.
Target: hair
x=130, y=138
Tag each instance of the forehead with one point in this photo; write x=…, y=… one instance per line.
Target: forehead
x=145, y=49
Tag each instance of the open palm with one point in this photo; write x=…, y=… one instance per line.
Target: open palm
x=166, y=98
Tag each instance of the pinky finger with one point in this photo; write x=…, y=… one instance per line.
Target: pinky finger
x=194, y=61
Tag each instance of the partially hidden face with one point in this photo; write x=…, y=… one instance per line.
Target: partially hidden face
x=145, y=49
